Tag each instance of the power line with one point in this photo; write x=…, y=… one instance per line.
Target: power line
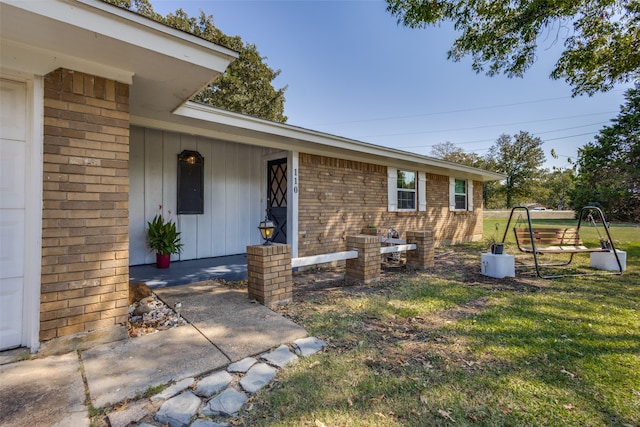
x=534, y=134
x=483, y=127
x=437, y=113
x=493, y=140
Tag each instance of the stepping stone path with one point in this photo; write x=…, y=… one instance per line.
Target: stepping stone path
x=213, y=400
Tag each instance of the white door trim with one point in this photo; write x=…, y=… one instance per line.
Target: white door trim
x=33, y=212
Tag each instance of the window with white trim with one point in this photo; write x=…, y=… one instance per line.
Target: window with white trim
x=406, y=185
x=460, y=194
x=406, y=190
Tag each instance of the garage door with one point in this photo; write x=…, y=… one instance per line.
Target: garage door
x=13, y=149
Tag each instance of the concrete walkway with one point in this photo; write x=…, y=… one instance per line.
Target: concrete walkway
x=224, y=327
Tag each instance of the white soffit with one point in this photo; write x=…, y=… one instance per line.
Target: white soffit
x=164, y=66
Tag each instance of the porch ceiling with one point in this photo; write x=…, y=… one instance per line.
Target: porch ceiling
x=164, y=66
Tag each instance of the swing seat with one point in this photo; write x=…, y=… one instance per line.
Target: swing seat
x=559, y=240
x=551, y=241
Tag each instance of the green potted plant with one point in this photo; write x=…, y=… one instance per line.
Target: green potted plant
x=496, y=247
x=164, y=239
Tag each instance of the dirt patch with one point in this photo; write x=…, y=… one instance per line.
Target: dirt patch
x=451, y=264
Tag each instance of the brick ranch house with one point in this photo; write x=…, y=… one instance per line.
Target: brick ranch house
x=94, y=116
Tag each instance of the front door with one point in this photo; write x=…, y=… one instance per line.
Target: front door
x=277, y=197
x=13, y=158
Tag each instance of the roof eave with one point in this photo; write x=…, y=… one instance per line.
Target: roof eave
x=205, y=120
x=165, y=66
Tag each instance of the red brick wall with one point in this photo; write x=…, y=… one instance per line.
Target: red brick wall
x=85, y=253
x=339, y=197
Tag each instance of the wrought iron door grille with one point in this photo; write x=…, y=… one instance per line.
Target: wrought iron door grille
x=278, y=184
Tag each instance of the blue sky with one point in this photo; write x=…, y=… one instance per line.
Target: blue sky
x=352, y=71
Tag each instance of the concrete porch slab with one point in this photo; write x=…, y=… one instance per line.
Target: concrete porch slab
x=125, y=369
x=230, y=268
x=238, y=327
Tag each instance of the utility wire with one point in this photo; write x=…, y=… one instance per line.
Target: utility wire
x=437, y=113
x=534, y=134
x=483, y=127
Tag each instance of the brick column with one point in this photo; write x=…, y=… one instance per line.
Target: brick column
x=85, y=219
x=269, y=274
x=422, y=257
x=365, y=268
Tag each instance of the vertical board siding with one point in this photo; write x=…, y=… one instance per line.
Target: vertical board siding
x=204, y=223
x=137, y=242
x=233, y=204
x=152, y=180
x=218, y=197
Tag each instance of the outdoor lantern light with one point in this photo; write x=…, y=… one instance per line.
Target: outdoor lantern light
x=267, y=229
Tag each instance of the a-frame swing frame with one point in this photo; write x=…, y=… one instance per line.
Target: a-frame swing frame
x=571, y=250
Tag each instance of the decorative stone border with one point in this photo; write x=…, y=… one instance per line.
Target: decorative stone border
x=210, y=401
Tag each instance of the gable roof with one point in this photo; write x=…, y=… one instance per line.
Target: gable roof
x=165, y=68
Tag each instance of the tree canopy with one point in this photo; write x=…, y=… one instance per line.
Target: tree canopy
x=452, y=153
x=601, y=38
x=520, y=159
x=246, y=86
x=609, y=167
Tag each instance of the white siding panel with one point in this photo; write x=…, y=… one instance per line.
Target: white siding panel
x=233, y=191
x=171, y=148
x=153, y=151
x=218, y=190
x=244, y=197
x=137, y=224
x=232, y=201
x=204, y=222
x=258, y=204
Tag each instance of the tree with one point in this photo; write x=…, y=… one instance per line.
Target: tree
x=609, y=167
x=246, y=86
x=502, y=36
x=452, y=153
x=520, y=160
x=555, y=187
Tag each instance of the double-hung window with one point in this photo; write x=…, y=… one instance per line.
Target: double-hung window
x=406, y=186
x=460, y=194
x=407, y=190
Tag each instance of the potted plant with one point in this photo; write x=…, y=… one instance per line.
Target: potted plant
x=496, y=247
x=164, y=239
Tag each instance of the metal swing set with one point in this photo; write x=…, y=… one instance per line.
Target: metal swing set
x=561, y=240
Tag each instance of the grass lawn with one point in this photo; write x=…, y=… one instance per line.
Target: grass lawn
x=452, y=347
